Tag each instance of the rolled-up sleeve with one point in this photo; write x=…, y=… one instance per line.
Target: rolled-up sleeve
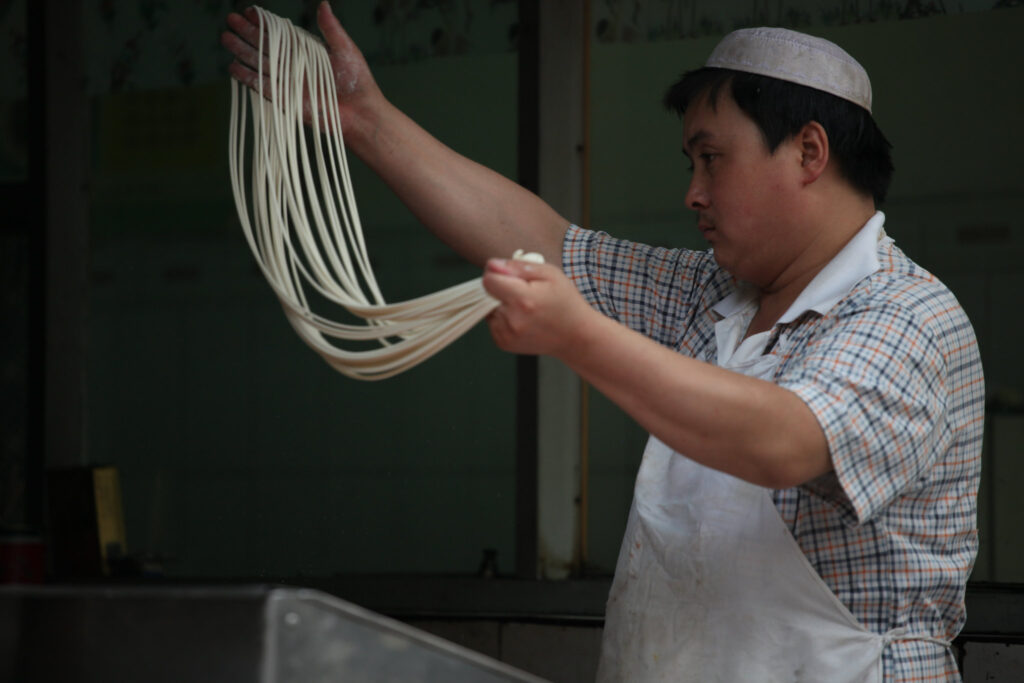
x=876, y=381
x=653, y=290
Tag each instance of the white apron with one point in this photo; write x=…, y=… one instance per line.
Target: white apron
x=711, y=586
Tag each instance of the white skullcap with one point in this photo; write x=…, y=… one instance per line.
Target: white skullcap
x=795, y=57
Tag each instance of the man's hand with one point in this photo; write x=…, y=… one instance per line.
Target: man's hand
x=353, y=81
x=541, y=311
x=473, y=209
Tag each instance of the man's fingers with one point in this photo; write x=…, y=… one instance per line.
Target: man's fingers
x=249, y=78
x=503, y=287
x=524, y=270
x=335, y=36
x=247, y=27
x=245, y=53
x=498, y=265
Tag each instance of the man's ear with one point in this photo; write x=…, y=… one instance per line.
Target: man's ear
x=813, y=144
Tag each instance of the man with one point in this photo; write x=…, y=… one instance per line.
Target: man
x=805, y=508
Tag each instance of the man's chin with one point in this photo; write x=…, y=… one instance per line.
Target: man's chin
x=722, y=260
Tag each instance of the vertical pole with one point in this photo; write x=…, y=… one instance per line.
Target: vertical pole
x=65, y=120
x=35, y=216
x=560, y=516
x=584, y=554
x=526, y=366
x=549, y=504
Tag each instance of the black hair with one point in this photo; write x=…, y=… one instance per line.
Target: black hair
x=780, y=109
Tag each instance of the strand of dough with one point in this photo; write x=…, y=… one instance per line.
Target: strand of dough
x=304, y=228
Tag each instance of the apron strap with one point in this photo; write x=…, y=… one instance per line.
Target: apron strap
x=902, y=633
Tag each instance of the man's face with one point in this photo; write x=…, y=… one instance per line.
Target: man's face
x=740, y=191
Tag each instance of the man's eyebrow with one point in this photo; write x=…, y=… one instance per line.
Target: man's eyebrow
x=694, y=139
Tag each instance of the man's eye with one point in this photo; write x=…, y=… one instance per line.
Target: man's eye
x=708, y=157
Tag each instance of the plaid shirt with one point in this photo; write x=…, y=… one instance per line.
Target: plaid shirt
x=893, y=375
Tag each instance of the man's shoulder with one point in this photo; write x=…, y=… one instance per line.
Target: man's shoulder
x=902, y=282
x=907, y=297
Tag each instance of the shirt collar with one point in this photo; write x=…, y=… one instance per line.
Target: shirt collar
x=854, y=262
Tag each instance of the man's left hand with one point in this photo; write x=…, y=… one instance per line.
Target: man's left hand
x=541, y=311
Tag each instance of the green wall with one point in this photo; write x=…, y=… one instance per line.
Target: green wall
x=241, y=453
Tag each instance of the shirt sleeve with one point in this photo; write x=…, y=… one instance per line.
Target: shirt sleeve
x=876, y=381
x=653, y=290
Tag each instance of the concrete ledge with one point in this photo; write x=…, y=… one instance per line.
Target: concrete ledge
x=469, y=597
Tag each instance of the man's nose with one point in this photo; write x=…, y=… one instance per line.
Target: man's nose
x=696, y=195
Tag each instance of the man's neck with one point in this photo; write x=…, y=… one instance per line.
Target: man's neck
x=830, y=234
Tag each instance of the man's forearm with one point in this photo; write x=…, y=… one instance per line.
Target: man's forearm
x=473, y=209
x=750, y=428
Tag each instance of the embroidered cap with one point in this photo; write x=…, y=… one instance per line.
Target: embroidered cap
x=795, y=57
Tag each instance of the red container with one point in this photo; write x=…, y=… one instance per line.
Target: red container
x=22, y=559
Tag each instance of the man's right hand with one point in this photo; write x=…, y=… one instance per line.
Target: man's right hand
x=356, y=89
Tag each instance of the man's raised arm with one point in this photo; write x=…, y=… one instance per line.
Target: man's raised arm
x=473, y=209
